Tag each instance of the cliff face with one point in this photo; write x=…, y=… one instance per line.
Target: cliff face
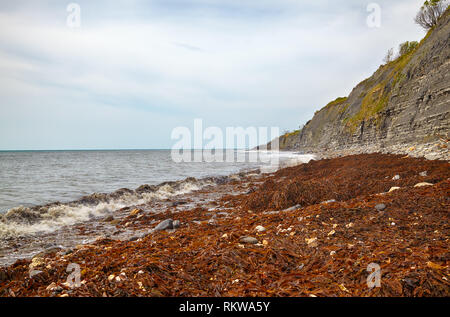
x=405, y=102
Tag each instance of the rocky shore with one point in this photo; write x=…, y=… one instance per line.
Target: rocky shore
x=438, y=150
x=308, y=230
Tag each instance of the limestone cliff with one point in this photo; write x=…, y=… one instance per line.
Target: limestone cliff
x=405, y=102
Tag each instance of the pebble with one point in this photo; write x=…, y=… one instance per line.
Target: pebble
x=392, y=189
x=380, y=207
x=260, y=229
x=312, y=243
x=248, y=240
x=34, y=273
x=164, y=225
x=36, y=262
x=134, y=212
x=423, y=174
x=293, y=208
x=396, y=177
x=108, y=219
x=423, y=184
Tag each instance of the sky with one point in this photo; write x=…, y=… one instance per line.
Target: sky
x=134, y=70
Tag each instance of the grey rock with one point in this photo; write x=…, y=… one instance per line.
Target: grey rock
x=34, y=273
x=423, y=174
x=176, y=224
x=248, y=240
x=48, y=251
x=164, y=225
x=380, y=207
x=108, y=218
x=293, y=208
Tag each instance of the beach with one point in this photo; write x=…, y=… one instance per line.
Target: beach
x=313, y=229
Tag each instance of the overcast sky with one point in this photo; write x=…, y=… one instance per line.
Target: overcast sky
x=134, y=70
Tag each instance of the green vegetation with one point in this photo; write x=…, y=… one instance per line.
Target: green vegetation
x=285, y=137
x=407, y=47
x=377, y=97
x=430, y=13
x=337, y=101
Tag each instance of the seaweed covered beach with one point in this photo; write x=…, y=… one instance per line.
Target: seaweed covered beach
x=308, y=230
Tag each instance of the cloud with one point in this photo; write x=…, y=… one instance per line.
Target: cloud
x=164, y=63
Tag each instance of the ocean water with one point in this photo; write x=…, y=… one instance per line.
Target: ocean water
x=32, y=179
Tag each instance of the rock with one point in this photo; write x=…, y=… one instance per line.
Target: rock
x=48, y=251
x=293, y=208
x=176, y=224
x=312, y=243
x=34, y=273
x=37, y=261
x=423, y=174
x=212, y=222
x=115, y=221
x=393, y=189
x=248, y=240
x=164, y=225
x=178, y=203
x=380, y=207
x=396, y=177
x=108, y=218
x=52, y=287
x=260, y=229
x=329, y=201
x=134, y=212
x=423, y=184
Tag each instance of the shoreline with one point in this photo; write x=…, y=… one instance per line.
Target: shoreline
x=298, y=227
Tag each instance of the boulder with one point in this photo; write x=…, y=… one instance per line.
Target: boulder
x=164, y=225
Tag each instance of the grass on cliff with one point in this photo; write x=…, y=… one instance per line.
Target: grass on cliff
x=378, y=94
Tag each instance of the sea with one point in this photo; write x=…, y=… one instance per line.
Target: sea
x=41, y=191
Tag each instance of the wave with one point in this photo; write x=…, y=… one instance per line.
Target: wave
x=25, y=221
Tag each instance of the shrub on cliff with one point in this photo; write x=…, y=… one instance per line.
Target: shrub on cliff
x=430, y=13
x=407, y=47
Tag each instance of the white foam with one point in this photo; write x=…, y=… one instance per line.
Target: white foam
x=65, y=215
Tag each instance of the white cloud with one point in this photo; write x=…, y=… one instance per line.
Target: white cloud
x=274, y=62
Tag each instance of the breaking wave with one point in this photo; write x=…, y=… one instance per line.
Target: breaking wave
x=25, y=221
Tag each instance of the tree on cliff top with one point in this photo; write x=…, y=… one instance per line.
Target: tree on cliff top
x=430, y=13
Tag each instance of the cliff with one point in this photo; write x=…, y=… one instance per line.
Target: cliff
x=404, y=104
